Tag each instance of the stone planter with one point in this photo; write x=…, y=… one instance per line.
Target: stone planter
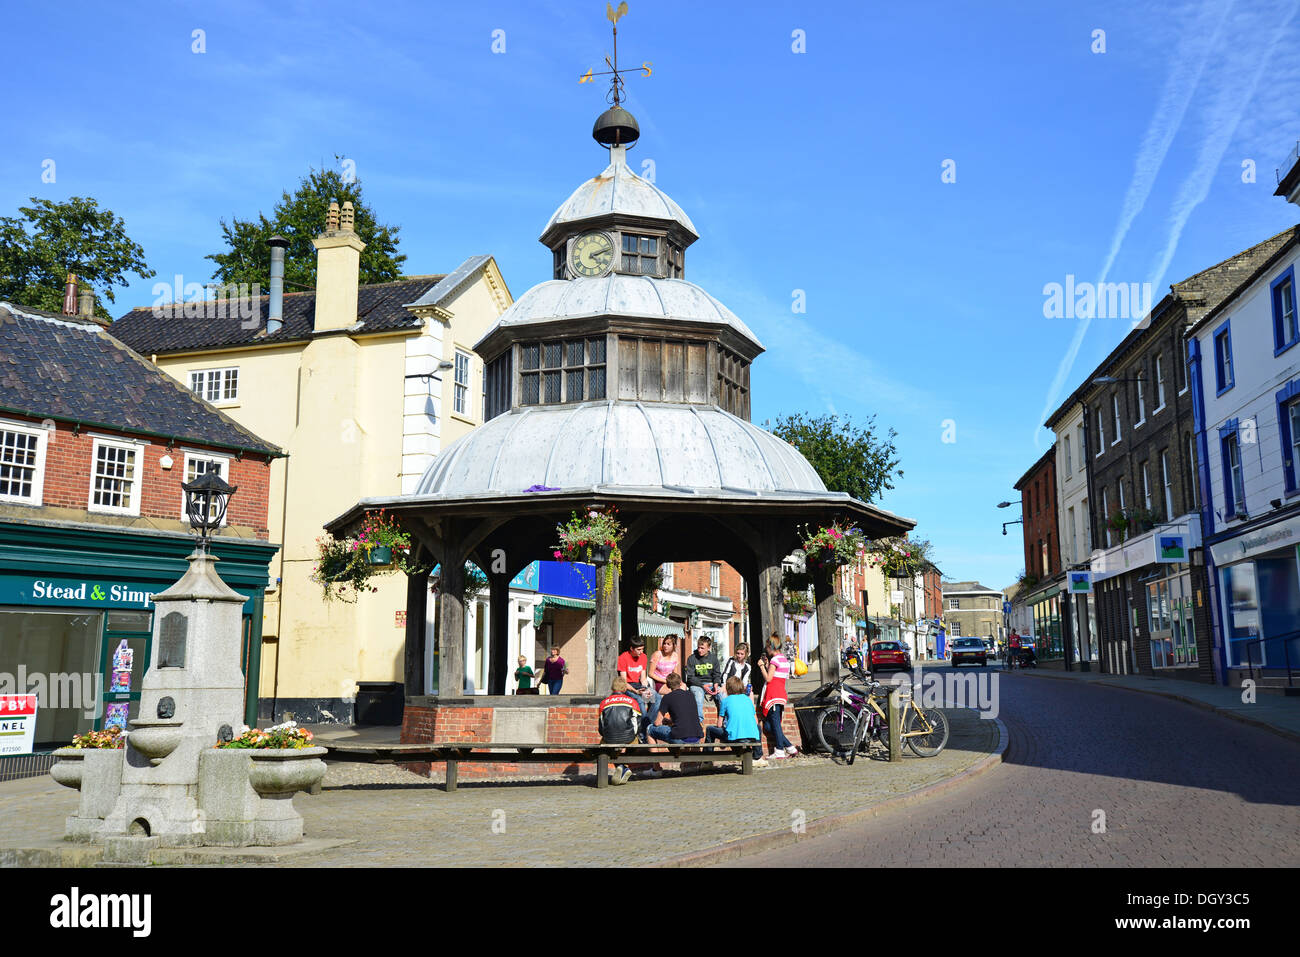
x=155, y=738
x=277, y=772
x=97, y=774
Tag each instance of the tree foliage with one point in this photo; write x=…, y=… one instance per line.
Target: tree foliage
x=48, y=240
x=848, y=458
x=300, y=217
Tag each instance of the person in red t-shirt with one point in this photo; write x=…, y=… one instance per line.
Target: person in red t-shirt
x=1013, y=649
x=632, y=666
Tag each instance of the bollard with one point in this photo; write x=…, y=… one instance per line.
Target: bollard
x=896, y=724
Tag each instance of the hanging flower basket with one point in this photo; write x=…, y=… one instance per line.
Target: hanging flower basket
x=380, y=556
x=592, y=536
x=344, y=566
x=833, y=546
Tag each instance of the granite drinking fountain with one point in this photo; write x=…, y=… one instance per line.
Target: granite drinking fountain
x=171, y=786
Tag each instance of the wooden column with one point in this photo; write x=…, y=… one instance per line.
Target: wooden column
x=629, y=592
x=828, y=641
x=417, y=606
x=605, y=619
x=451, y=624
x=499, y=632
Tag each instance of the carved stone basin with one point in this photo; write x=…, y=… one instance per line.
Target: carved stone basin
x=282, y=771
x=70, y=767
x=155, y=738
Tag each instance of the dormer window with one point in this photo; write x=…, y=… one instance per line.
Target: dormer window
x=640, y=255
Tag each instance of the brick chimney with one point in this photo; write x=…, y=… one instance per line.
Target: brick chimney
x=338, y=266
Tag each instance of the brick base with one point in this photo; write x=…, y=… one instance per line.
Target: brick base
x=430, y=721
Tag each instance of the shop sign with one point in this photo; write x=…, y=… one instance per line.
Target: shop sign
x=896, y=597
x=1256, y=542
x=1171, y=549
x=81, y=593
x=1080, y=583
x=17, y=723
x=526, y=580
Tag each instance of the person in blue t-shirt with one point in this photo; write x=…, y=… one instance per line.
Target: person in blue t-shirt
x=739, y=721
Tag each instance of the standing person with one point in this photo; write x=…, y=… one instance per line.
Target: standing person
x=619, y=723
x=678, y=706
x=633, y=666
x=663, y=663
x=553, y=670
x=776, y=669
x=524, y=675
x=1013, y=650
x=737, y=666
x=702, y=671
x=739, y=721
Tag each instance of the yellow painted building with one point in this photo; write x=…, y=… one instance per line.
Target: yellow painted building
x=361, y=386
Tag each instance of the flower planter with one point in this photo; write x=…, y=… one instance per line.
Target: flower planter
x=279, y=772
x=70, y=767
x=381, y=555
x=598, y=554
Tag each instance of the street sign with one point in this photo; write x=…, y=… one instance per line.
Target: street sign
x=1171, y=548
x=1080, y=583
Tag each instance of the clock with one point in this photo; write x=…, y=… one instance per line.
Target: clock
x=591, y=254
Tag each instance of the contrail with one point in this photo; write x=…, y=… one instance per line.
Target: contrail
x=1188, y=64
x=1224, y=115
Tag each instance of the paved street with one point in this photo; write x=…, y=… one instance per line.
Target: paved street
x=1178, y=786
x=404, y=820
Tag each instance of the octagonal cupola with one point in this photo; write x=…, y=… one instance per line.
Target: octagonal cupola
x=619, y=222
x=618, y=322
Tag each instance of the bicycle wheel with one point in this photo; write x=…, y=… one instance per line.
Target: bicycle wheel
x=838, y=729
x=933, y=724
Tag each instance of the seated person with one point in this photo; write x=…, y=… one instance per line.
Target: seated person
x=619, y=723
x=678, y=706
x=739, y=720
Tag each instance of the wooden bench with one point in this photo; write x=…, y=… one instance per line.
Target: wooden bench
x=488, y=752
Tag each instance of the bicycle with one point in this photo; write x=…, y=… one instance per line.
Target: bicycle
x=842, y=727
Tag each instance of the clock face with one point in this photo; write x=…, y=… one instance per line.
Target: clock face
x=591, y=254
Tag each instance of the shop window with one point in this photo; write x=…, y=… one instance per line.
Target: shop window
x=63, y=648
x=22, y=464
x=1241, y=613
x=115, y=481
x=196, y=465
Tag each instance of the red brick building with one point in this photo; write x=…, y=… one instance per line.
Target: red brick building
x=95, y=443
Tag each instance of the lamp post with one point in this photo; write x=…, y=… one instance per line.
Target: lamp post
x=206, y=501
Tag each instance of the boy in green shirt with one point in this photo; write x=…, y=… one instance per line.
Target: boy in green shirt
x=524, y=675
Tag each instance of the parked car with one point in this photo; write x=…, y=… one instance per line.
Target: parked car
x=990, y=648
x=888, y=654
x=969, y=651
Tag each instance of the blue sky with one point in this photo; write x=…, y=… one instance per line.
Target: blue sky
x=817, y=171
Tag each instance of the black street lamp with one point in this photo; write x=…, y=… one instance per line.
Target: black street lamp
x=206, y=501
x=1008, y=504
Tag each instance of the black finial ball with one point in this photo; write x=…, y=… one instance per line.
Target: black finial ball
x=616, y=127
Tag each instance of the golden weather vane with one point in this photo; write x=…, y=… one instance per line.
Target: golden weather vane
x=616, y=83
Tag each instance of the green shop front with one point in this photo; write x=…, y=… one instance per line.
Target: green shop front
x=76, y=617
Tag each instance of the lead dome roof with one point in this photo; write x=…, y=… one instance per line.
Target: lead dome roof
x=619, y=190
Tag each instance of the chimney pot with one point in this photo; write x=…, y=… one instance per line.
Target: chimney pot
x=332, y=218
x=348, y=219
x=70, y=295
x=275, y=308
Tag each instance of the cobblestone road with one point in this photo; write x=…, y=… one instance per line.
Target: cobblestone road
x=1178, y=786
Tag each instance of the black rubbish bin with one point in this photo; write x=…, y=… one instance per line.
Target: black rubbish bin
x=807, y=710
x=379, y=702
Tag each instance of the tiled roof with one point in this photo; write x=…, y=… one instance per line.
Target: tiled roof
x=59, y=367
x=381, y=307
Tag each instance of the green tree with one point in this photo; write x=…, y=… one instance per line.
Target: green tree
x=48, y=240
x=848, y=458
x=299, y=218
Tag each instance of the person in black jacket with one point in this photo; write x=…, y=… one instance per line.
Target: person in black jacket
x=619, y=723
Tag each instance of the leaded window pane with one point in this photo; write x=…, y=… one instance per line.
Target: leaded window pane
x=554, y=352
x=595, y=350
x=596, y=383
x=574, y=353
x=531, y=386
x=573, y=386
x=531, y=355
x=551, y=386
